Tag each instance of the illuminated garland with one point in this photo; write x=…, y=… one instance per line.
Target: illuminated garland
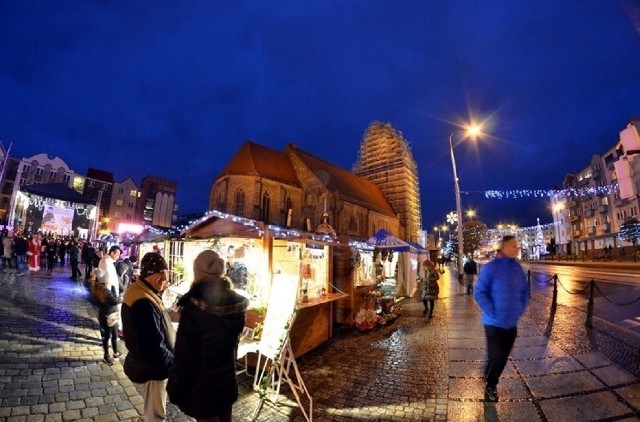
x=550, y=193
x=220, y=214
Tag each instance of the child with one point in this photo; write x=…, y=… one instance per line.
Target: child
x=107, y=302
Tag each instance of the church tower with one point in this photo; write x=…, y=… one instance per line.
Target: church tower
x=385, y=159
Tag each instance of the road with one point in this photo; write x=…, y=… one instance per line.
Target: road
x=617, y=296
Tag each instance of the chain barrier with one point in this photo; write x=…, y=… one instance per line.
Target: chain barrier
x=542, y=281
x=631, y=302
x=573, y=293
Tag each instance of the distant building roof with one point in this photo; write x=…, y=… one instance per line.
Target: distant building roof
x=57, y=191
x=257, y=160
x=351, y=188
x=102, y=175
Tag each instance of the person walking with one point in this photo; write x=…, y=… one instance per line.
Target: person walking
x=74, y=255
x=502, y=293
x=149, y=335
x=7, y=249
x=108, y=265
x=430, y=288
x=106, y=301
x=33, y=251
x=203, y=381
x=470, y=272
x=87, y=254
x=21, y=246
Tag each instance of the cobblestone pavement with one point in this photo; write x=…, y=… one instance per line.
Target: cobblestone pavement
x=412, y=370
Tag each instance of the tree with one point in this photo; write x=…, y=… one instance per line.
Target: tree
x=474, y=233
x=630, y=231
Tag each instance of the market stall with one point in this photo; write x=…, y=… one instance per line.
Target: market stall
x=253, y=253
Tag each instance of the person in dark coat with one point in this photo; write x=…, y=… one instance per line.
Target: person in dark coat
x=430, y=288
x=87, y=254
x=203, y=381
x=74, y=254
x=106, y=301
x=470, y=272
x=149, y=335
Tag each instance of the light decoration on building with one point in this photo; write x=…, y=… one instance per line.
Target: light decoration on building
x=289, y=233
x=549, y=193
x=219, y=214
x=39, y=202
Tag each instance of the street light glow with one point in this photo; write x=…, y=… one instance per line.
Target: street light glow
x=474, y=130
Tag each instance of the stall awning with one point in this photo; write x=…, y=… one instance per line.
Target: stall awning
x=385, y=240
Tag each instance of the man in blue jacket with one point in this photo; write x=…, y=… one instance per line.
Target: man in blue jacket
x=502, y=292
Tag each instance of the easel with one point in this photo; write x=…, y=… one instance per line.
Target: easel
x=276, y=361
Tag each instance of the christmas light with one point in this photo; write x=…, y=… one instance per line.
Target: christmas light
x=549, y=193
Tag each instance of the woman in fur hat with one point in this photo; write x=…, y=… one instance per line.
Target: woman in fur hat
x=203, y=381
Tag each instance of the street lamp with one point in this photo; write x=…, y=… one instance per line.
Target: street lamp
x=471, y=131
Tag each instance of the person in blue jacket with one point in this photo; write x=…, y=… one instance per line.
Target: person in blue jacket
x=502, y=292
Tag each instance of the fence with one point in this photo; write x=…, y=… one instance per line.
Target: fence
x=592, y=286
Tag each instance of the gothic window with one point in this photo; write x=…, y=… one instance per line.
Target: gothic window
x=265, y=207
x=353, y=224
x=239, y=203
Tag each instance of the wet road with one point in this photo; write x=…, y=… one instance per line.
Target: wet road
x=616, y=292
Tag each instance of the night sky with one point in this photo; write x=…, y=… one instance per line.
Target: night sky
x=174, y=88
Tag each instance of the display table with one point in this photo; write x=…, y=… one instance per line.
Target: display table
x=314, y=322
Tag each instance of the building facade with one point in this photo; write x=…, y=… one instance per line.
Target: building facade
x=589, y=218
x=385, y=160
x=123, y=207
x=298, y=190
x=156, y=203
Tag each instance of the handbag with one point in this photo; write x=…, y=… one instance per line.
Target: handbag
x=112, y=319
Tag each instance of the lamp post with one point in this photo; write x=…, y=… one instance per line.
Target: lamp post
x=471, y=131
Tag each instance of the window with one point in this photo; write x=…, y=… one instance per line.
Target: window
x=67, y=178
x=116, y=214
x=238, y=206
x=131, y=205
x=119, y=202
x=121, y=191
x=91, y=183
x=353, y=224
x=265, y=207
x=128, y=216
x=26, y=168
x=38, y=171
x=133, y=193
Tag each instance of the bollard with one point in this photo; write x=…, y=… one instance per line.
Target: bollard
x=554, y=295
x=589, y=322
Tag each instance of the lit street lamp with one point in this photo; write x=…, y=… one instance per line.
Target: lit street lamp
x=471, y=131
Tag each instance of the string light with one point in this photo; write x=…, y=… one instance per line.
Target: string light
x=550, y=193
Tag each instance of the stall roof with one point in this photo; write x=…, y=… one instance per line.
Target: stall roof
x=154, y=234
x=57, y=191
x=385, y=240
x=216, y=223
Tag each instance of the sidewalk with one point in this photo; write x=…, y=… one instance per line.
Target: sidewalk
x=411, y=370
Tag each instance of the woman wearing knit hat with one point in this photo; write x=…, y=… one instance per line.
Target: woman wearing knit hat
x=203, y=381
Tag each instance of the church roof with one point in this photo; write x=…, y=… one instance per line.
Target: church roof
x=57, y=191
x=351, y=188
x=258, y=160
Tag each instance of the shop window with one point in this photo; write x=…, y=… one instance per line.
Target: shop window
x=239, y=203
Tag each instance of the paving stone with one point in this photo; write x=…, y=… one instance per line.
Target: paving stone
x=584, y=407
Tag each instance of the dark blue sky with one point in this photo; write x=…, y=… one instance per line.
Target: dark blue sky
x=173, y=89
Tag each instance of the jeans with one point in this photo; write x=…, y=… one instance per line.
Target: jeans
x=21, y=263
x=499, y=344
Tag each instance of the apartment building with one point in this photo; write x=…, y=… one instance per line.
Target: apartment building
x=589, y=212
